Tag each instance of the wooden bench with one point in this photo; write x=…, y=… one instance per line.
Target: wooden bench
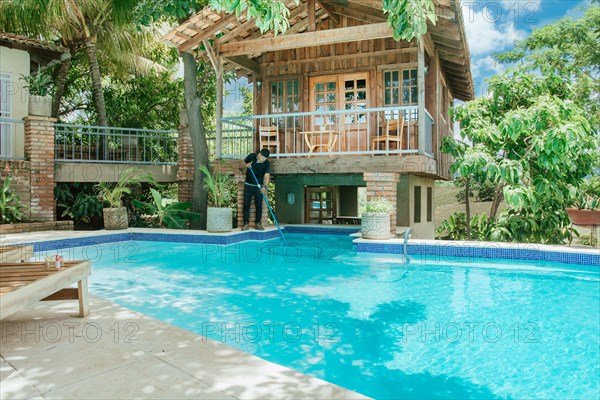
x=25, y=283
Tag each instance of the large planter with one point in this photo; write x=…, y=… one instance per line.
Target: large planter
x=115, y=218
x=375, y=226
x=219, y=219
x=40, y=106
x=584, y=217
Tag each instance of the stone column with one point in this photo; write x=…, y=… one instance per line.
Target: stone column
x=185, y=163
x=39, y=150
x=383, y=184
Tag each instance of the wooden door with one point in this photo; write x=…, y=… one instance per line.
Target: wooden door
x=342, y=92
x=320, y=205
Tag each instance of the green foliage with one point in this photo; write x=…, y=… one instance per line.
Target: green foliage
x=39, y=84
x=378, y=205
x=588, y=240
x=112, y=193
x=221, y=188
x=172, y=215
x=153, y=101
x=408, y=18
x=568, y=50
x=482, y=228
x=84, y=208
x=270, y=15
x=11, y=208
x=534, y=142
x=588, y=195
x=481, y=191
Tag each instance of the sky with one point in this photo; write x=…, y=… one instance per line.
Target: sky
x=491, y=26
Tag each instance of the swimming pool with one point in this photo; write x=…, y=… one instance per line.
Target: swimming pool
x=433, y=328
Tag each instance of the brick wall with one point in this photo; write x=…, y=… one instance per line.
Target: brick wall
x=383, y=184
x=36, y=227
x=240, y=206
x=39, y=150
x=20, y=174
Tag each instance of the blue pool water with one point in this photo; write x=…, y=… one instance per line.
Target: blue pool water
x=451, y=328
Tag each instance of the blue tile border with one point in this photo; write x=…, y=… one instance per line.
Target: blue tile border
x=339, y=230
x=152, y=237
x=527, y=252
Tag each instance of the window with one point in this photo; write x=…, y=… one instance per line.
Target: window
x=417, y=217
x=284, y=96
x=400, y=87
x=429, y=204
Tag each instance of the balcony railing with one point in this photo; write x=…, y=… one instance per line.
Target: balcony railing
x=388, y=130
x=11, y=135
x=101, y=144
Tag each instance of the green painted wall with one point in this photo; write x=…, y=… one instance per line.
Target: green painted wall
x=294, y=214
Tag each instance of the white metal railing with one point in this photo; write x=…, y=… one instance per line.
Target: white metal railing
x=12, y=133
x=102, y=144
x=336, y=132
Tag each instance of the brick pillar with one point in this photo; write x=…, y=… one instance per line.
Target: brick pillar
x=185, y=169
x=383, y=184
x=240, y=206
x=39, y=150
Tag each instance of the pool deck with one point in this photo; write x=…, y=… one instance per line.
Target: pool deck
x=46, y=352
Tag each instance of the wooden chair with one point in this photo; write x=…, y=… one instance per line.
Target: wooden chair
x=269, y=137
x=393, y=132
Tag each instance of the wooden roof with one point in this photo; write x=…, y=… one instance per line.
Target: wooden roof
x=226, y=31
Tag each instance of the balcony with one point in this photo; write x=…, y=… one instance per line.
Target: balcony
x=387, y=131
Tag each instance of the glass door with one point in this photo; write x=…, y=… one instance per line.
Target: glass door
x=355, y=99
x=6, y=136
x=320, y=205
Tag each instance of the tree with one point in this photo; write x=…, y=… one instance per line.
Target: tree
x=199, y=91
x=78, y=26
x=567, y=49
x=535, y=144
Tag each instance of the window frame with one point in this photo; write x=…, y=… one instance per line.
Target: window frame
x=285, y=96
x=399, y=88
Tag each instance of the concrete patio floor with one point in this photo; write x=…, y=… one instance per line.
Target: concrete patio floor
x=116, y=353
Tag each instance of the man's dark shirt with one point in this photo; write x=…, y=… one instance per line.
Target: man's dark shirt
x=260, y=169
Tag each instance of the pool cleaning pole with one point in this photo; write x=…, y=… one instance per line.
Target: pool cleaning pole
x=270, y=209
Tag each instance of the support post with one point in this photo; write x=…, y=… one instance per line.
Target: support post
x=219, y=128
x=310, y=4
x=421, y=91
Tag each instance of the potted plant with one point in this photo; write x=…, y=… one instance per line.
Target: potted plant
x=219, y=188
x=115, y=215
x=39, y=86
x=376, y=219
x=587, y=204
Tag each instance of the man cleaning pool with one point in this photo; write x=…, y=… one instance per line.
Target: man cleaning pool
x=260, y=165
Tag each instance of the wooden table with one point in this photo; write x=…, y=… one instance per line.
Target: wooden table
x=22, y=284
x=16, y=253
x=309, y=139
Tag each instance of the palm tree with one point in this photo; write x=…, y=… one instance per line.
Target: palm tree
x=80, y=25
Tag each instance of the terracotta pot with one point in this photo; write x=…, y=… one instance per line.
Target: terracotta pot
x=40, y=106
x=584, y=217
x=115, y=218
x=375, y=226
x=219, y=219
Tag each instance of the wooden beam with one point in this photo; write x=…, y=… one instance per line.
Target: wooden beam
x=421, y=93
x=310, y=7
x=243, y=27
x=207, y=33
x=330, y=11
x=360, y=16
x=245, y=63
x=285, y=42
x=211, y=54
